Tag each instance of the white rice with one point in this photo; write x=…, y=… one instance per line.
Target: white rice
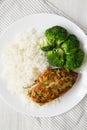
x=23, y=61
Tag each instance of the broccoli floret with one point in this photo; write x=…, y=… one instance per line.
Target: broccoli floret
x=71, y=44
x=74, y=60
x=62, y=50
x=56, y=57
x=56, y=34
x=47, y=46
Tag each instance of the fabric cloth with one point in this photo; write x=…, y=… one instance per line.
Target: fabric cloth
x=12, y=10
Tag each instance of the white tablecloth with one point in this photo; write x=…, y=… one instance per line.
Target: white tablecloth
x=12, y=10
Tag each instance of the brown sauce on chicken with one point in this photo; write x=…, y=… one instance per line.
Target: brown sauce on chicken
x=52, y=84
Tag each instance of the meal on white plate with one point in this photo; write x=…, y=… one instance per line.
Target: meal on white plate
x=44, y=66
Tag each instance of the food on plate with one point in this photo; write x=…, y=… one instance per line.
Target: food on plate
x=47, y=46
x=56, y=35
x=41, y=66
x=71, y=44
x=66, y=53
x=56, y=57
x=74, y=60
x=23, y=61
x=52, y=84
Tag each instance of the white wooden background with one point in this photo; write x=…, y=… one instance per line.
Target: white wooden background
x=11, y=120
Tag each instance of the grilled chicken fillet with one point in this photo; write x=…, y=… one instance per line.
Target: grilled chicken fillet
x=52, y=84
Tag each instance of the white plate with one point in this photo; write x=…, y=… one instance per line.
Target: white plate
x=72, y=97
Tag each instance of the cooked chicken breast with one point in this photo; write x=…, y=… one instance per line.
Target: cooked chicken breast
x=52, y=84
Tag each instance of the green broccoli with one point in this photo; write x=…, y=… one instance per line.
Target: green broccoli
x=46, y=46
x=62, y=50
x=56, y=57
x=56, y=34
x=71, y=44
x=74, y=60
